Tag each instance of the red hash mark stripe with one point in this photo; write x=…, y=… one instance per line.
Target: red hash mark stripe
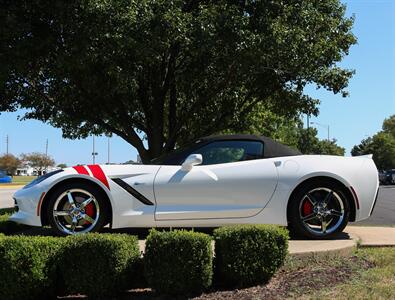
x=98, y=173
x=81, y=170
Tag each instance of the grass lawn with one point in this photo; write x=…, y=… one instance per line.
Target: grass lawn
x=20, y=180
x=373, y=283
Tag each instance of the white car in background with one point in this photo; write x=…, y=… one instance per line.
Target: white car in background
x=214, y=181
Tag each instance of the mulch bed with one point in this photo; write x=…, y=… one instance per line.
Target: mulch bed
x=308, y=276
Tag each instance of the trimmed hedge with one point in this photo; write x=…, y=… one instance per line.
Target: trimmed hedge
x=102, y=265
x=178, y=262
x=247, y=255
x=28, y=266
x=7, y=211
x=98, y=265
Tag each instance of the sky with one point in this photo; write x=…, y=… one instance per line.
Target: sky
x=351, y=119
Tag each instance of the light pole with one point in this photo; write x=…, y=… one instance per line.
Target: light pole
x=108, y=150
x=7, y=141
x=322, y=125
x=46, y=155
x=94, y=153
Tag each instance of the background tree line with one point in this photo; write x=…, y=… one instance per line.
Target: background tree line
x=381, y=145
x=38, y=161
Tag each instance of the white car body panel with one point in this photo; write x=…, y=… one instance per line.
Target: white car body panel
x=231, y=190
x=254, y=191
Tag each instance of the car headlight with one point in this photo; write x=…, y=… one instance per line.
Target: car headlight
x=42, y=178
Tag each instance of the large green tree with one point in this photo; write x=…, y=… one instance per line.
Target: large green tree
x=167, y=71
x=381, y=145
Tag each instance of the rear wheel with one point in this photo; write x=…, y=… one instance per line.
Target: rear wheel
x=76, y=208
x=319, y=210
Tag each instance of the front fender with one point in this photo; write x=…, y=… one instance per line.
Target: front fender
x=66, y=176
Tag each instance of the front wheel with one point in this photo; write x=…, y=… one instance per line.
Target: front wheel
x=76, y=208
x=318, y=210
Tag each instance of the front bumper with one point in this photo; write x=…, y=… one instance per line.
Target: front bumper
x=26, y=202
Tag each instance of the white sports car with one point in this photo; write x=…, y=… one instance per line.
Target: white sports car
x=217, y=180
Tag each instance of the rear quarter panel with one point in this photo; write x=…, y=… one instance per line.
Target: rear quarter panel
x=357, y=172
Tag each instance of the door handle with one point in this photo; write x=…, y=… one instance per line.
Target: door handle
x=138, y=183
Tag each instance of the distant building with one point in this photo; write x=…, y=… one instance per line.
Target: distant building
x=27, y=170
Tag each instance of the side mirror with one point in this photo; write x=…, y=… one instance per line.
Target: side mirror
x=192, y=160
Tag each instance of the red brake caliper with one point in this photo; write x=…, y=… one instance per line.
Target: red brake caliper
x=307, y=208
x=90, y=210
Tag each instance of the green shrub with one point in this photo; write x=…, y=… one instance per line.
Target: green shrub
x=178, y=262
x=9, y=227
x=28, y=266
x=98, y=265
x=7, y=211
x=249, y=254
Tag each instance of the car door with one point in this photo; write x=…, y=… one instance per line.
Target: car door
x=232, y=182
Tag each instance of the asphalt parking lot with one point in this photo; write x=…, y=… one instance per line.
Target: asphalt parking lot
x=384, y=211
x=383, y=214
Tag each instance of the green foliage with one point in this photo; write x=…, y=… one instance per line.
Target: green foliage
x=7, y=211
x=289, y=131
x=389, y=126
x=9, y=163
x=249, y=254
x=171, y=70
x=178, y=262
x=28, y=267
x=38, y=161
x=98, y=265
x=381, y=145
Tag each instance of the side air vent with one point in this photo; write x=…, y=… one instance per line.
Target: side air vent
x=132, y=191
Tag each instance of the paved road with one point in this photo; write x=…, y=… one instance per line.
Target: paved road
x=6, y=197
x=384, y=212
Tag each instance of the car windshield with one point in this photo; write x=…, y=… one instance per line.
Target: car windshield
x=165, y=157
x=2, y=174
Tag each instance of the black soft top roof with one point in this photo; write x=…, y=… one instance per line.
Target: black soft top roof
x=272, y=148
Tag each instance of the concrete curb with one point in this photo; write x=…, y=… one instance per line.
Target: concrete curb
x=373, y=236
x=339, y=247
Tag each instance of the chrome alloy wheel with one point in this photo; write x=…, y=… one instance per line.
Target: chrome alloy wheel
x=321, y=211
x=76, y=211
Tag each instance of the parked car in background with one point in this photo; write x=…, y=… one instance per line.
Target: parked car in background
x=387, y=177
x=4, y=178
x=382, y=177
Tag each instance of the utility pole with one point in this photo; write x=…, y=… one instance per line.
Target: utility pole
x=108, y=150
x=7, y=141
x=46, y=155
x=323, y=125
x=94, y=153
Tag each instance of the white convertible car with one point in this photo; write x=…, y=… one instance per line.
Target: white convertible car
x=217, y=180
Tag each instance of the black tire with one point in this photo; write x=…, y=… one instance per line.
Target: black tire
x=80, y=192
x=313, y=221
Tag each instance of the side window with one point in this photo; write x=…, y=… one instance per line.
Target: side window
x=230, y=151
